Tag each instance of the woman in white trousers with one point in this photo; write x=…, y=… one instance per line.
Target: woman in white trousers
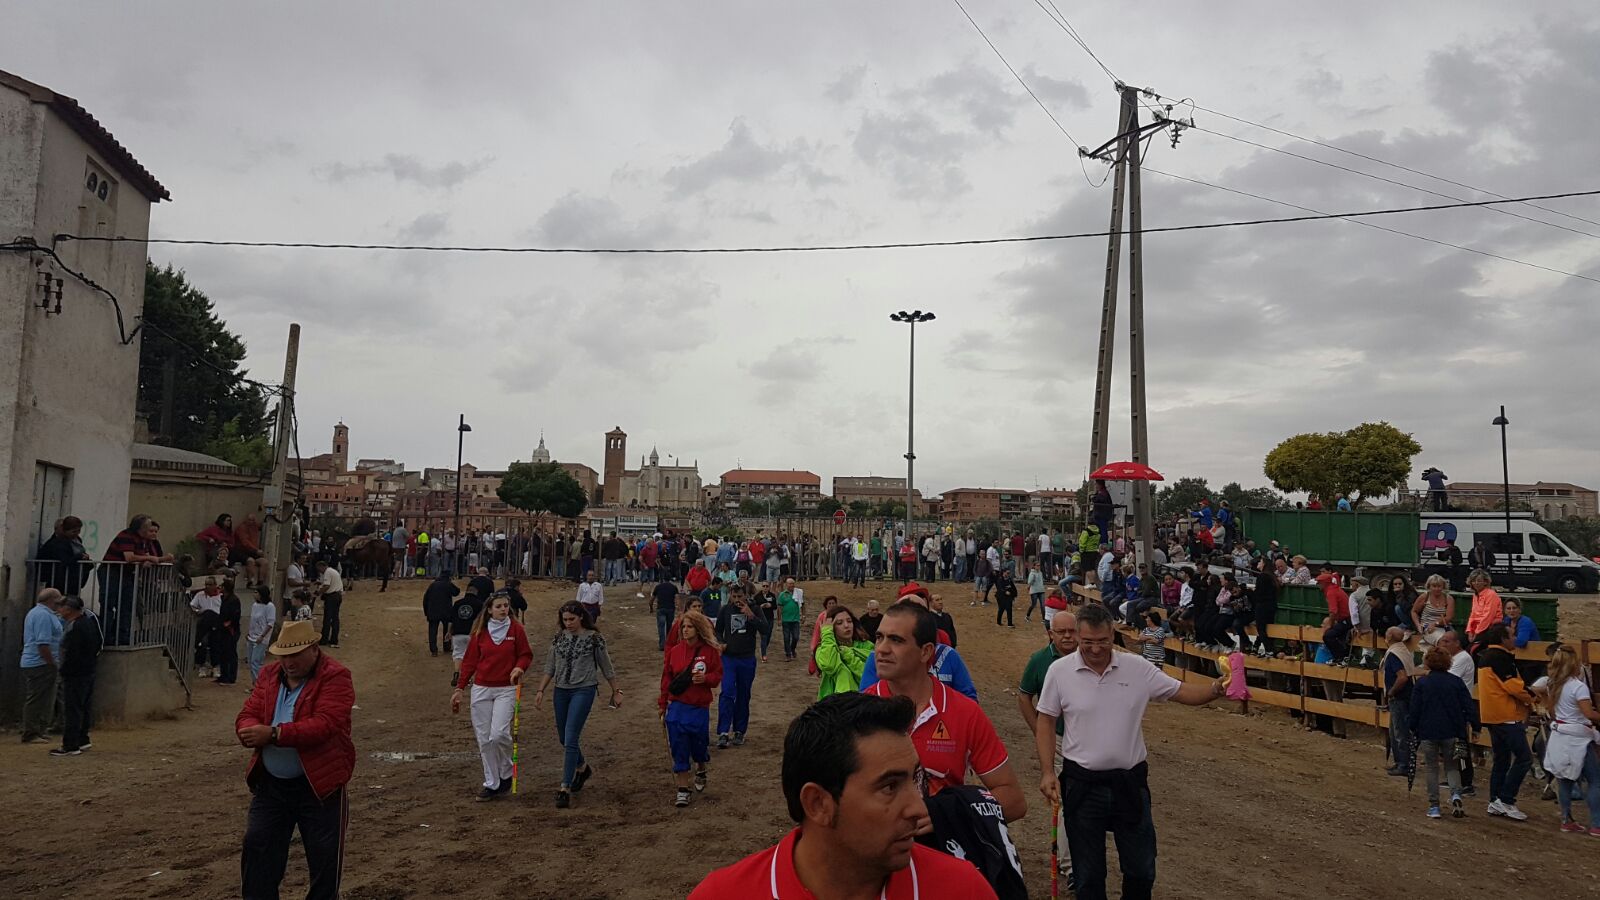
x=497, y=655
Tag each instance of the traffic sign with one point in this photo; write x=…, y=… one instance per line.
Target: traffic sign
x=838, y=517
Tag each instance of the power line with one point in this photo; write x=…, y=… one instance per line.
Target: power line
x=1313, y=215
x=1014, y=74
x=1323, y=162
x=199, y=356
x=1357, y=221
x=1382, y=162
x=1060, y=18
x=124, y=336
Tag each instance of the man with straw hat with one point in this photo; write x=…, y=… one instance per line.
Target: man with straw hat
x=297, y=722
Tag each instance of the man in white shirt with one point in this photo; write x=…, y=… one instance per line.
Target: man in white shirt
x=1046, y=555
x=591, y=595
x=295, y=577
x=330, y=590
x=1103, y=786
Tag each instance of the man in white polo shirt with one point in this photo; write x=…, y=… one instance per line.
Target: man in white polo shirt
x=1102, y=695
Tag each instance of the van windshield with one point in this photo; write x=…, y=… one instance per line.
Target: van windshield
x=1499, y=542
x=1544, y=546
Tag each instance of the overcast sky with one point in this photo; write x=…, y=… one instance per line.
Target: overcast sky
x=738, y=123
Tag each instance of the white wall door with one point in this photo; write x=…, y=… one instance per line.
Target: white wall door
x=51, y=499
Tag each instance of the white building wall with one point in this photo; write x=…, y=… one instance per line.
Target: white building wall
x=67, y=385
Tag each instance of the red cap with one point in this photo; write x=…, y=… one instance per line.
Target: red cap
x=911, y=587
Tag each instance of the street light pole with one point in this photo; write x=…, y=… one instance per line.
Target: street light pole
x=911, y=318
x=1505, y=471
x=461, y=439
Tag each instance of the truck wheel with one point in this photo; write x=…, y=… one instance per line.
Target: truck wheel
x=1568, y=584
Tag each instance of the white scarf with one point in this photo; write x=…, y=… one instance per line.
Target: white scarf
x=499, y=629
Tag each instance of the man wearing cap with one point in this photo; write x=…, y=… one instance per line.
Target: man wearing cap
x=297, y=722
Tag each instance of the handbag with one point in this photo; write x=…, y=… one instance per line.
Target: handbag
x=681, y=681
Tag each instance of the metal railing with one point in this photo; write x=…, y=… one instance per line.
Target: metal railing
x=139, y=605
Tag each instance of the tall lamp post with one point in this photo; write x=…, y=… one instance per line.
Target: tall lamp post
x=461, y=439
x=911, y=318
x=1505, y=472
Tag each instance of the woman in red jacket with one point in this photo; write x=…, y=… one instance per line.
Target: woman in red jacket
x=497, y=655
x=686, y=714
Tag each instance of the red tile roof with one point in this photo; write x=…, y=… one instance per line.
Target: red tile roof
x=95, y=134
x=771, y=476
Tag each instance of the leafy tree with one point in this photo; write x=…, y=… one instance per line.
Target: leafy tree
x=211, y=400
x=1372, y=458
x=889, y=509
x=1261, y=497
x=246, y=453
x=828, y=506
x=784, y=505
x=540, y=488
x=860, y=508
x=1180, y=496
x=750, y=506
x=1580, y=533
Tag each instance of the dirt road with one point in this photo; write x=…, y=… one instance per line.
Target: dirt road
x=1245, y=807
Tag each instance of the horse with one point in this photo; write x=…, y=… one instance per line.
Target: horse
x=374, y=553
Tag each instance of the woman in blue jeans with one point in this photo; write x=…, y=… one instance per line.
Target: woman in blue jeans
x=576, y=661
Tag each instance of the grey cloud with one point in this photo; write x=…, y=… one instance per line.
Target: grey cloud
x=742, y=158
x=1068, y=92
x=581, y=220
x=1320, y=84
x=847, y=85
x=424, y=229
x=405, y=167
x=988, y=102
x=920, y=154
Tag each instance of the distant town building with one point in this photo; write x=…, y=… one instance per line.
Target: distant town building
x=739, y=485
x=652, y=485
x=983, y=504
x=1551, y=500
x=875, y=489
x=1052, y=504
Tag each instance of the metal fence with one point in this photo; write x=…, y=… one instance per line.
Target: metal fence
x=139, y=605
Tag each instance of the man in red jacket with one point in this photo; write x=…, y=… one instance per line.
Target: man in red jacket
x=297, y=720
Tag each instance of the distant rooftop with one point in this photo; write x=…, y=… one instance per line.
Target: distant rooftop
x=159, y=453
x=95, y=134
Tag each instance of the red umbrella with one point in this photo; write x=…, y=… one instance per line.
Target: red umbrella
x=1125, y=471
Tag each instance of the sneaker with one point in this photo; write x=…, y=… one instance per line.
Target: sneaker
x=487, y=793
x=581, y=777
x=700, y=780
x=683, y=798
x=1568, y=827
x=63, y=752
x=86, y=746
x=1433, y=812
x=1495, y=809
x=1469, y=791
x=563, y=800
x=1456, y=809
x=738, y=739
x=1510, y=811
x=722, y=742
x=1595, y=831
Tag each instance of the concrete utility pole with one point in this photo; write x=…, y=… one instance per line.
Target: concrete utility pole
x=278, y=515
x=1123, y=152
x=911, y=318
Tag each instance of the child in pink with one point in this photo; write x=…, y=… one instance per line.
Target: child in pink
x=1238, y=688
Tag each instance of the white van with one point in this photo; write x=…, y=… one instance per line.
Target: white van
x=1527, y=557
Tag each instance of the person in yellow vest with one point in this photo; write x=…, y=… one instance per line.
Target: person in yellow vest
x=421, y=561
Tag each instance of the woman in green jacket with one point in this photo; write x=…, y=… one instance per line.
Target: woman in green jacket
x=842, y=655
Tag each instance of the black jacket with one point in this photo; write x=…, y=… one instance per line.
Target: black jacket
x=738, y=632
x=438, y=598
x=80, y=647
x=968, y=824
x=482, y=585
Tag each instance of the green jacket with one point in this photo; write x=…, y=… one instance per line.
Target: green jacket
x=841, y=667
x=788, y=609
x=1089, y=540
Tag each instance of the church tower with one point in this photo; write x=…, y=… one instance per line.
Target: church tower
x=616, y=464
x=541, y=455
x=341, y=446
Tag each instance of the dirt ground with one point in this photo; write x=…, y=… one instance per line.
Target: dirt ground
x=1245, y=806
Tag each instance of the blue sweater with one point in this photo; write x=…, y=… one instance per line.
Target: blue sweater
x=948, y=667
x=1526, y=630
x=1441, y=707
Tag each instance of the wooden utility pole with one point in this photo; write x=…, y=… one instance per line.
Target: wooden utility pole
x=277, y=514
x=1108, y=303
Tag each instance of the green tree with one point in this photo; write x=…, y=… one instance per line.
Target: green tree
x=1180, y=496
x=1580, y=533
x=1372, y=458
x=1260, y=498
x=750, y=506
x=828, y=506
x=860, y=508
x=540, y=488
x=784, y=505
x=211, y=401
x=889, y=509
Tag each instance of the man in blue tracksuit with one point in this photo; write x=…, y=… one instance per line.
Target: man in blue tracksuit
x=739, y=627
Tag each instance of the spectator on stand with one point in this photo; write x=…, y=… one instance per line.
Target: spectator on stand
x=1299, y=572
x=69, y=562
x=1520, y=627
x=297, y=723
x=1441, y=711
x=1337, y=637
x=1434, y=610
x=1503, y=707
x=1264, y=605
x=1487, y=607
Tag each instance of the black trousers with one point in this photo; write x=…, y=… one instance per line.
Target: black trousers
x=225, y=655
x=1003, y=608
x=330, y=617
x=278, y=807
x=77, y=693
x=438, y=629
x=1086, y=829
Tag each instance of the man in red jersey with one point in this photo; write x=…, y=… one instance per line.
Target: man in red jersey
x=850, y=778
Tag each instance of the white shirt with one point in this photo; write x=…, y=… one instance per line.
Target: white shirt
x=1462, y=666
x=592, y=593
x=994, y=558
x=972, y=547
x=1104, y=712
x=296, y=575
x=332, y=582
x=1044, y=543
x=262, y=617
x=204, y=602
